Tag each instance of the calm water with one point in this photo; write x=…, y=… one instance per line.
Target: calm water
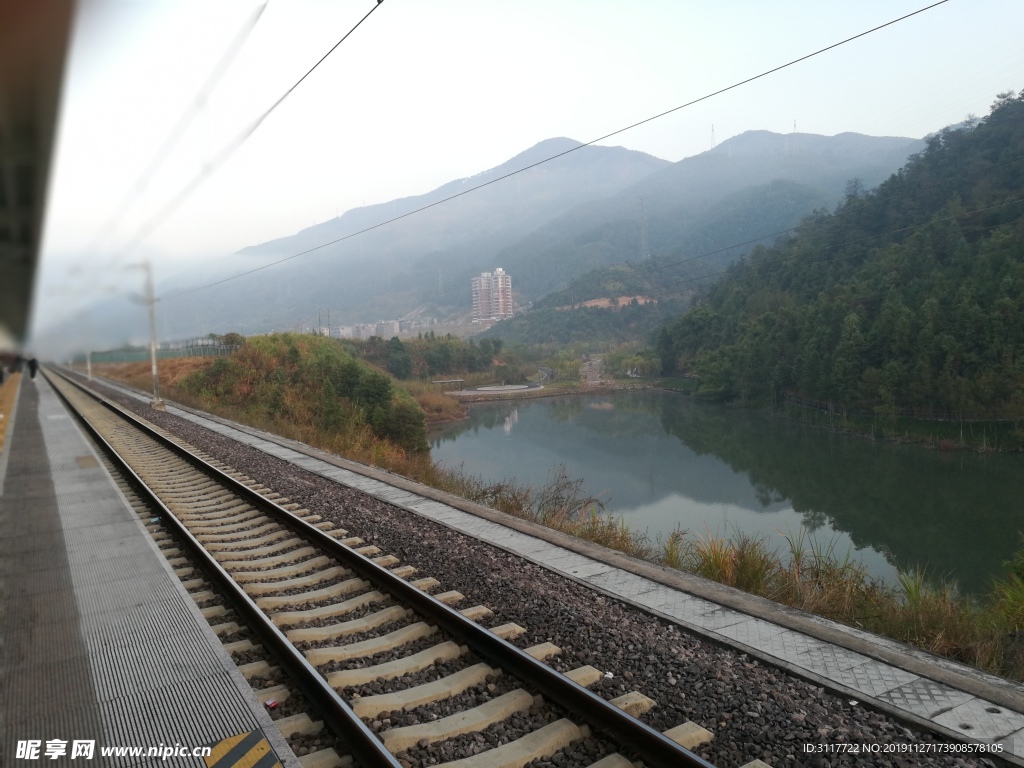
x=663, y=461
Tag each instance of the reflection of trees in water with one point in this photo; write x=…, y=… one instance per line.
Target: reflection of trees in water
x=480, y=417
x=814, y=520
x=953, y=513
x=767, y=495
x=565, y=409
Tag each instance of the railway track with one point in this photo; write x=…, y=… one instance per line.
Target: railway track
x=356, y=629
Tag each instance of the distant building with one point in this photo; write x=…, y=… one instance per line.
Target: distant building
x=386, y=329
x=492, y=296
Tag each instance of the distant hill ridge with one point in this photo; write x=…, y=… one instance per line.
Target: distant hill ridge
x=545, y=226
x=847, y=144
x=709, y=201
x=583, y=164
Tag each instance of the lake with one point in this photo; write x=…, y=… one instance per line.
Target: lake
x=663, y=461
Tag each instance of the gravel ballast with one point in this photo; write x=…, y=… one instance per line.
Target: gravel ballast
x=753, y=710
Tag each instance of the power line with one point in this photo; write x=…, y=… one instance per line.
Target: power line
x=844, y=212
x=229, y=149
x=566, y=152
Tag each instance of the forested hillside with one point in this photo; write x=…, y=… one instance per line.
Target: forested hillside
x=909, y=299
x=703, y=213
x=595, y=325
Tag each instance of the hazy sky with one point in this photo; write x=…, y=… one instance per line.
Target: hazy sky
x=426, y=92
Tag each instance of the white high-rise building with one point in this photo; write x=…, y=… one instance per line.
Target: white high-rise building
x=492, y=295
x=387, y=328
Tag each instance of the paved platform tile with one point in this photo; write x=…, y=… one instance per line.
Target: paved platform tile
x=874, y=678
x=678, y=605
x=925, y=698
x=623, y=583
x=563, y=560
x=718, y=619
x=591, y=568
x=982, y=720
x=824, y=658
x=754, y=633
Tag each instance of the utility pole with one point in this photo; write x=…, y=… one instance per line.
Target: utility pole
x=149, y=299
x=89, y=344
x=151, y=302
x=712, y=135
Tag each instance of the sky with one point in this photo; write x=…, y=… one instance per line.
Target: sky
x=424, y=93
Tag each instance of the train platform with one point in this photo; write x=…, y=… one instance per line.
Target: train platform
x=104, y=658
x=916, y=687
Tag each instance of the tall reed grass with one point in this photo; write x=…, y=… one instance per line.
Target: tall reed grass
x=814, y=576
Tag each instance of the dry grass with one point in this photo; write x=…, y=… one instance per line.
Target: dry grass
x=559, y=504
x=811, y=576
x=357, y=442
x=437, y=406
x=814, y=577
x=138, y=375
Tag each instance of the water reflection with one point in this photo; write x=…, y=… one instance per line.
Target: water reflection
x=664, y=460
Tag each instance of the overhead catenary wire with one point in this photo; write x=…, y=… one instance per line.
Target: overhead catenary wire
x=228, y=150
x=660, y=265
x=644, y=269
x=698, y=100
x=194, y=108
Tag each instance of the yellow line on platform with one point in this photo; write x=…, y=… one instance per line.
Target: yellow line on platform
x=244, y=750
x=7, y=392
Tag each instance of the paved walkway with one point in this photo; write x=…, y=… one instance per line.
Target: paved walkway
x=919, y=688
x=99, y=641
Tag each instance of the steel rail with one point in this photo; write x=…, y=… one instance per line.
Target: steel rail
x=365, y=745
x=656, y=749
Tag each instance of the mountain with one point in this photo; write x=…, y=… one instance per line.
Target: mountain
x=754, y=184
x=424, y=258
x=702, y=214
x=907, y=301
x=546, y=226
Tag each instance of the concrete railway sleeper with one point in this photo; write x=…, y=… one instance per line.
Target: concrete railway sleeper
x=344, y=615
x=298, y=722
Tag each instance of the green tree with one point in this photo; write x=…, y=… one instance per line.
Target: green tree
x=373, y=391
x=399, y=362
x=848, y=363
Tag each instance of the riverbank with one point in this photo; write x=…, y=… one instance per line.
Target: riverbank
x=941, y=435
x=549, y=390
x=809, y=577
